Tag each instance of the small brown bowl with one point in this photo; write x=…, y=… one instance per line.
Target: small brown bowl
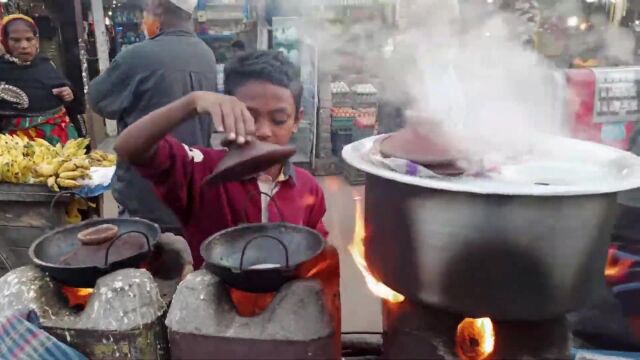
x=98, y=235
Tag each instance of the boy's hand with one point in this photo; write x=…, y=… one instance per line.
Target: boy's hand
x=229, y=115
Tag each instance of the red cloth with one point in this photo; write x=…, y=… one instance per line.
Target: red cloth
x=177, y=174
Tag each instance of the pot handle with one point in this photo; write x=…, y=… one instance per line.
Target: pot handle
x=60, y=195
x=106, y=254
x=244, y=249
x=251, y=196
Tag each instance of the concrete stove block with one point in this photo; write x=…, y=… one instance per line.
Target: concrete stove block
x=203, y=323
x=123, y=300
x=122, y=319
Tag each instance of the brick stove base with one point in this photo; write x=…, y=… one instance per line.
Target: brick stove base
x=421, y=332
x=203, y=323
x=123, y=318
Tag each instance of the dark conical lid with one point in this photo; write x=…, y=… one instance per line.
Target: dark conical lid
x=248, y=160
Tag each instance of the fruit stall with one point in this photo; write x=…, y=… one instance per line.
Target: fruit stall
x=43, y=187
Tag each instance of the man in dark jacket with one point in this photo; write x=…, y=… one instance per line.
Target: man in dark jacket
x=172, y=63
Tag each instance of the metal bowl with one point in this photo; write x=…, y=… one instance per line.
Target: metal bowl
x=260, y=258
x=510, y=251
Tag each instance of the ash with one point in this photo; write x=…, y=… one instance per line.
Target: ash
x=124, y=300
x=202, y=306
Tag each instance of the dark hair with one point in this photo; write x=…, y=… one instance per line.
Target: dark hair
x=238, y=44
x=270, y=66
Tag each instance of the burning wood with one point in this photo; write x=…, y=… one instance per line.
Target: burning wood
x=618, y=266
x=475, y=339
x=77, y=297
x=358, y=252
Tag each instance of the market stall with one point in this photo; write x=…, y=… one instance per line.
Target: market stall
x=31, y=174
x=340, y=92
x=224, y=25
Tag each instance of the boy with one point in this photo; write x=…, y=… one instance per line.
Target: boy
x=263, y=102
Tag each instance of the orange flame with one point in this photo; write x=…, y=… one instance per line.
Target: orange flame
x=616, y=267
x=77, y=296
x=250, y=304
x=358, y=252
x=475, y=339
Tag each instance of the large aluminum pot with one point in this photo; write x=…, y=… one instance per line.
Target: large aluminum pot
x=469, y=249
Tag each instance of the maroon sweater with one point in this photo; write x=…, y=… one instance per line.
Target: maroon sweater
x=177, y=173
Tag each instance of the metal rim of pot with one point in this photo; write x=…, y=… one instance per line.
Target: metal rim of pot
x=355, y=155
x=238, y=276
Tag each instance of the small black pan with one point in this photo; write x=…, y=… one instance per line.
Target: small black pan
x=125, y=251
x=260, y=258
x=47, y=251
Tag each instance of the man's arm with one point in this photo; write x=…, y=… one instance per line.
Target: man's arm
x=137, y=143
x=110, y=93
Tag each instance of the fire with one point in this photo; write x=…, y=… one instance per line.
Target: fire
x=249, y=304
x=319, y=269
x=475, y=339
x=617, y=267
x=77, y=297
x=358, y=252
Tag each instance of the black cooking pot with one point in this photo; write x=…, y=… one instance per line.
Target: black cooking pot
x=260, y=258
x=48, y=250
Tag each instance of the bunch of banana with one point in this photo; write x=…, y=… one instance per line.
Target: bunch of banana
x=15, y=163
x=38, y=162
x=63, y=173
x=101, y=159
x=75, y=148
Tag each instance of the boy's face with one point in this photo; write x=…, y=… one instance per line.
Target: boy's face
x=273, y=109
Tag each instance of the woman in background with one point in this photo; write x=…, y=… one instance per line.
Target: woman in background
x=33, y=92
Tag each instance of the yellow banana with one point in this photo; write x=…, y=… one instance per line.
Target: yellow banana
x=42, y=143
x=45, y=170
x=70, y=184
x=68, y=166
x=71, y=175
x=51, y=182
x=82, y=163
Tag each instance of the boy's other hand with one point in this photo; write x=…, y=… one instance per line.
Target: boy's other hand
x=229, y=115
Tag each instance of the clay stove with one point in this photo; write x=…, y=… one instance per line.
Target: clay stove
x=122, y=317
x=204, y=322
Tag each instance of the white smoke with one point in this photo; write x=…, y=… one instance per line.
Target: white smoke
x=463, y=65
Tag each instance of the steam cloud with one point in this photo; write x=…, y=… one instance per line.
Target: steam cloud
x=463, y=65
